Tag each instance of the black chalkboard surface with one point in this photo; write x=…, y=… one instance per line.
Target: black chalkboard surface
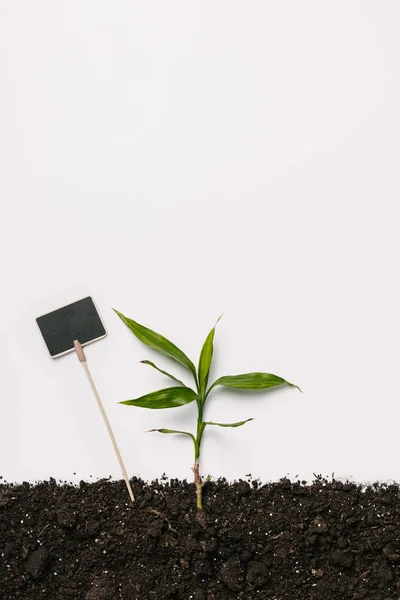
x=77, y=321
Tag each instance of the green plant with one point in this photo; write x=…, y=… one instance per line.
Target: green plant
x=181, y=394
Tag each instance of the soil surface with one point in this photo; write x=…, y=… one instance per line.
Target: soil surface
x=281, y=541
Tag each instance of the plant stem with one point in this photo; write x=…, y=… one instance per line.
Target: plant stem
x=199, y=486
x=196, y=469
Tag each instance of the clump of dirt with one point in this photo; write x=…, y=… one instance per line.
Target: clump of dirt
x=281, y=541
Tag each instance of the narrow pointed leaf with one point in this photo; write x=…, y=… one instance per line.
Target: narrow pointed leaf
x=173, y=431
x=205, y=360
x=158, y=342
x=252, y=381
x=148, y=362
x=168, y=398
x=238, y=424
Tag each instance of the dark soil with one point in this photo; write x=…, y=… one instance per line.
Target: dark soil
x=282, y=541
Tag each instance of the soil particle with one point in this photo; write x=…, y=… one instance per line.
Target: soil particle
x=38, y=562
x=257, y=574
x=317, y=573
x=101, y=590
x=318, y=525
x=243, y=488
x=342, y=559
x=12, y=549
x=202, y=568
x=5, y=497
x=231, y=574
x=66, y=518
x=246, y=555
x=92, y=528
x=342, y=542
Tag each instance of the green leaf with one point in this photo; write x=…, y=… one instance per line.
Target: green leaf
x=148, y=362
x=158, y=342
x=238, y=424
x=205, y=361
x=173, y=431
x=168, y=398
x=252, y=381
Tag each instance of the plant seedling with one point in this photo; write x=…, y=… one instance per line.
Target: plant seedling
x=180, y=394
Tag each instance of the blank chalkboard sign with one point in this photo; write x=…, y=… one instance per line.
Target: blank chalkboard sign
x=69, y=328
x=77, y=321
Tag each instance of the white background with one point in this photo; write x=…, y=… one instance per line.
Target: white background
x=177, y=160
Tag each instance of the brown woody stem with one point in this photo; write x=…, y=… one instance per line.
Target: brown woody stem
x=199, y=486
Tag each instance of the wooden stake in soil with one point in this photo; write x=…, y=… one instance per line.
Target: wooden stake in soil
x=61, y=330
x=82, y=358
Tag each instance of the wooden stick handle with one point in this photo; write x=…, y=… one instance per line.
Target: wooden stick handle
x=82, y=358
